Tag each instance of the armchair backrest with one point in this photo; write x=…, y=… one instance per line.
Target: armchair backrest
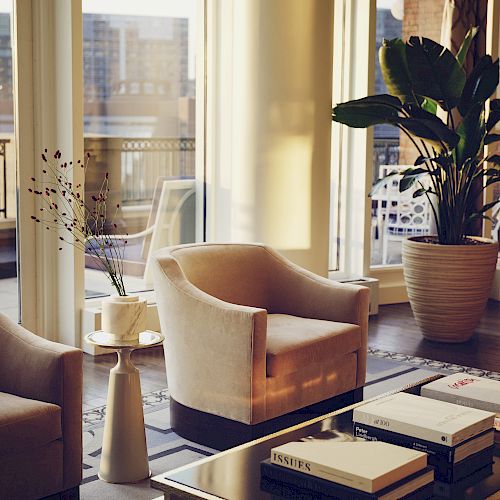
x=236, y=273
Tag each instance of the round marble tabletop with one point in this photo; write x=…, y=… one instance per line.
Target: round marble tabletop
x=103, y=339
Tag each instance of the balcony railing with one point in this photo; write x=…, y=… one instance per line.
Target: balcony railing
x=134, y=164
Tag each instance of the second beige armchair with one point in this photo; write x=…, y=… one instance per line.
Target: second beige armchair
x=40, y=416
x=251, y=336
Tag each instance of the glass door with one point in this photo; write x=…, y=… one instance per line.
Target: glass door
x=139, y=127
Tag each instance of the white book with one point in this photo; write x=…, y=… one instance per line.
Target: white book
x=466, y=390
x=423, y=418
x=364, y=465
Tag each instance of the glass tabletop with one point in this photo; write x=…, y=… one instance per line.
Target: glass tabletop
x=235, y=474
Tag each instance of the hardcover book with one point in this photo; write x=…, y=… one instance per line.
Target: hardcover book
x=466, y=390
x=449, y=454
x=424, y=418
x=439, y=458
x=280, y=478
x=356, y=464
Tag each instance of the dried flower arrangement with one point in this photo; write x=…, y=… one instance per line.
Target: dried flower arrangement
x=64, y=209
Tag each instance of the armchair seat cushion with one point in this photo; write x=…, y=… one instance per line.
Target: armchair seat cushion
x=26, y=424
x=294, y=342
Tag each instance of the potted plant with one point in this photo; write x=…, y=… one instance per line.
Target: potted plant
x=443, y=113
x=63, y=207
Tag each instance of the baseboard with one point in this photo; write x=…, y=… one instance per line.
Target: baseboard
x=392, y=288
x=392, y=293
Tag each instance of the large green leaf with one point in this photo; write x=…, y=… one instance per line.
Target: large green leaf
x=410, y=176
x=372, y=110
x=429, y=105
x=435, y=72
x=491, y=138
x=487, y=206
x=495, y=159
x=420, y=191
x=491, y=180
x=494, y=116
x=428, y=127
x=394, y=66
x=471, y=131
x=481, y=83
x=464, y=48
x=379, y=183
x=442, y=160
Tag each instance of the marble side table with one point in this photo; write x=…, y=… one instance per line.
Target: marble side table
x=124, y=457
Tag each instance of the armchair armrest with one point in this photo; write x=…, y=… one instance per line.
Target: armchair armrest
x=302, y=293
x=36, y=368
x=219, y=362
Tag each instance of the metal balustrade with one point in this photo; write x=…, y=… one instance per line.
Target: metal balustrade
x=134, y=164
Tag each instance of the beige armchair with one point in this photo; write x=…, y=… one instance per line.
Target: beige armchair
x=251, y=336
x=40, y=415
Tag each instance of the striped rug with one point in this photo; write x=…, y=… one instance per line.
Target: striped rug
x=385, y=371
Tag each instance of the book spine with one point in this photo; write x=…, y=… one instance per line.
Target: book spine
x=285, y=491
x=371, y=433
x=445, y=469
x=406, y=428
x=443, y=466
x=314, y=469
x=277, y=475
x=460, y=399
x=282, y=491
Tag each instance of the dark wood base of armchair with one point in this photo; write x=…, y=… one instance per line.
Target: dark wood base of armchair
x=222, y=433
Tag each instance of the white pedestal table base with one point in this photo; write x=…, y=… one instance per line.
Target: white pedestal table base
x=124, y=457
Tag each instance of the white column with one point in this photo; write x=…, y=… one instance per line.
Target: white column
x=49, y=114
x=269, y=126
x=352, y=148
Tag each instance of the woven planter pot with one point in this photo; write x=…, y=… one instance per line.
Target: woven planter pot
x=448, y=285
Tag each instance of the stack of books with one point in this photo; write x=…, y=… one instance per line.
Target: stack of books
x=356, y=469
x=468, y=390
x=459, y=440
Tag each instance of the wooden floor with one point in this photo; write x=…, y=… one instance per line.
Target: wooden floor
x=393, y=329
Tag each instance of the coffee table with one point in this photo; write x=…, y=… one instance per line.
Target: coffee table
x=234, y=474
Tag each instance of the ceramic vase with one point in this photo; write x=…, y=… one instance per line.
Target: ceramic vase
x=124, y=317
x=448, y=285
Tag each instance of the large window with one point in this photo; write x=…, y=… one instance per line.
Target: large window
x=139, y=117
